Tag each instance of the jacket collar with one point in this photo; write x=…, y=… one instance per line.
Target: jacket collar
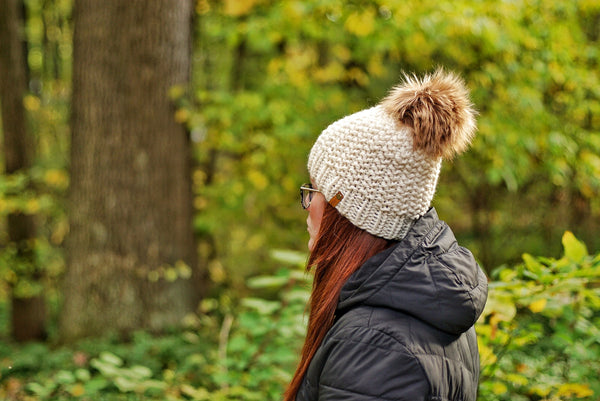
x=426, y=275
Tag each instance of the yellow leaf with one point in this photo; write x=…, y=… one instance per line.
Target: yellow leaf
x=3, y=205
x=501, y=307
x=176, y=92
x=499, y=388
x=258, y=179
x=77, y=390
x=183, y=270
x=298, y=61
x=56, y=178
x=574, y=249
x=587, y=190
x=10, y=277
x=59, y=232
x=200, y=202
x=202, y=6
x=575, y=390
x=182, y=115
x=293, y=11
x=330, y=73
x=517, y=379
x=170, y=274
x=541, y=390
x=361, y=24
x=532, y=264
x=153, y=276
x=538, y=306
x=375, y=66
x=236, y=8
x=217, y=272
x=199, y=177
x=31, y=103
x=255, y=242
x=168, y=375
x=357, y=75
x=195, y=393
x=342, y=53
x=32, y=206
x=486, y=354
x=274, y=66
x=589, y=6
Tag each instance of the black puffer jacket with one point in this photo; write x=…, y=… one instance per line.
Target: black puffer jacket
x=404, y=325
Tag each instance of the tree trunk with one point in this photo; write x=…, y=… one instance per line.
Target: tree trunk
x=130, y=195
x=28, y=313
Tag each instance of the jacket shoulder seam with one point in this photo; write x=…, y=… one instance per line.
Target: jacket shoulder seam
x=411, y=355
x=377, y=397
x=343, y=338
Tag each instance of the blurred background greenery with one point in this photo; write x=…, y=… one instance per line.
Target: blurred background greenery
x=267, y=77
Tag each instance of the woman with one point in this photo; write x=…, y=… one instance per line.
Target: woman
x=394, y=297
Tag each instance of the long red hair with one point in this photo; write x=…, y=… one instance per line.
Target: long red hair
x=339, y=250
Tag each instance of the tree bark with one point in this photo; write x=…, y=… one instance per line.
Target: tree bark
x=130, y=195
x=27, y=313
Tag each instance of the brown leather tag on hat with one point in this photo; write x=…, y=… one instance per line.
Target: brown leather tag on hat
x=336, y=199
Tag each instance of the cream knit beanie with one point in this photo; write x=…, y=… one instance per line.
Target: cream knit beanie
x=379, y=167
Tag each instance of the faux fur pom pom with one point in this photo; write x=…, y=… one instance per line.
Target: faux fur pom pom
x=438, y=109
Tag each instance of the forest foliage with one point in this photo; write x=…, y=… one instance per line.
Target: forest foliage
x=267, y=78
x=539, y=339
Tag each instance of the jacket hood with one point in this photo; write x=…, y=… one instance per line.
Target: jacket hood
x=426, y=275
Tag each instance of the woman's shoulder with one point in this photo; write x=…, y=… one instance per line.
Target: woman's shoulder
x=388, y=328
x=361, y=359
x=371, y=325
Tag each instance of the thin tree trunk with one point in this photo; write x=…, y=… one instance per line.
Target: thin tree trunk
x=27, y=313
x=130, y=198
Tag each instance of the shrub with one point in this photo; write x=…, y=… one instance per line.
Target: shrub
x=539, y=339
x=539, y=336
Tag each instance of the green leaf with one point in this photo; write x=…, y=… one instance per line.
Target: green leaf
x=507, y=275
x=111, y=359
x=64, y=377
x=95, y=385
x=262, y=306
x=575, y=250
x=140, y=372
x=125, y=385
x=82, y=375
x=532, y=264
x=503, y=307
x=267, y=282
x=154, y=385
x=288, y=256
x=298, y=295
x=107, y=369
x=39, y=390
